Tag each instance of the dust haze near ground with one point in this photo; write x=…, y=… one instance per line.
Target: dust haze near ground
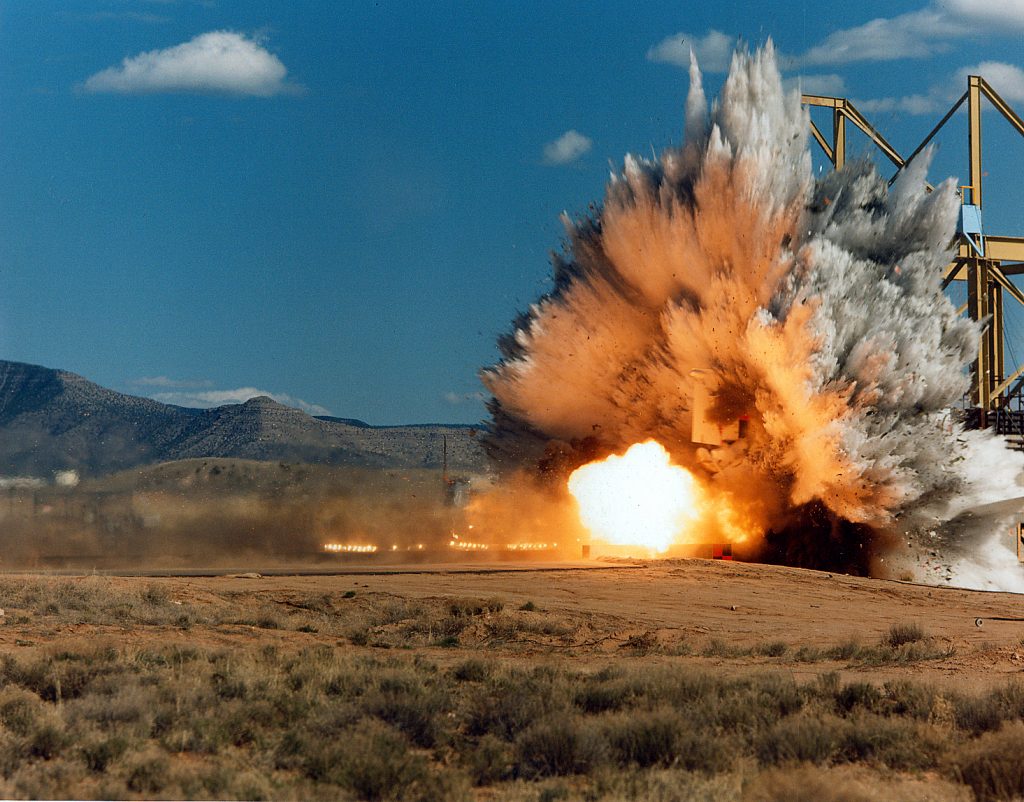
x=209, y=513
x=815, y=305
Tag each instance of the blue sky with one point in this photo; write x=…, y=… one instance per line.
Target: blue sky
x=343, y=204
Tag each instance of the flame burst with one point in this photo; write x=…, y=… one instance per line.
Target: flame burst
x=637, y=499
x=816, y=307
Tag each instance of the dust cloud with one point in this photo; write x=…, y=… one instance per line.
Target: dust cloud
x=809, y=308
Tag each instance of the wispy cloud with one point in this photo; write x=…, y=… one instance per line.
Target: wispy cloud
x=119, y=16
x=917, y=34
x=215, y=398
x=987, y=14
x=164, y=381
x=713, y=50
x=931, y=29
x=818, y=84
x=219, y=61
x=1006, y=79
x=464, y=398
x=569, y=147
x=908, y=104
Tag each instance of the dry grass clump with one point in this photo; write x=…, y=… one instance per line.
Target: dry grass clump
x=900, y=634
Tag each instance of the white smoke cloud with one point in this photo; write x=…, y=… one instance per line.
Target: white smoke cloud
x=216, y=398
x=713, y=50
x=219, y=61
x=569, y=147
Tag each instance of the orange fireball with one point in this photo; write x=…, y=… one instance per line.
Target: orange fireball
x=637, y=499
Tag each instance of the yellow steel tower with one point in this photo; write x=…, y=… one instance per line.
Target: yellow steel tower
x=984, y=261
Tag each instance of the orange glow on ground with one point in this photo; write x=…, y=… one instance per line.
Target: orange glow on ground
x=637, y=499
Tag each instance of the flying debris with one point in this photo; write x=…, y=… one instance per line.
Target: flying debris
x=784, y=338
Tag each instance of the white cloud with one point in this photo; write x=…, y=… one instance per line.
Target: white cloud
x=1006, y=79
x=164, y=381
x=567, y=148
x=914, y=35
x=120, y=16
x=987, y=12
x=219, y=61
x=918, y=34
x=462, y=398
x=909, y=104
x=217, y=398
x=713, y=51
x=821, y=84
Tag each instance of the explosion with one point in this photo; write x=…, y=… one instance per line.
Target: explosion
x=786, y=340
x=640, y=498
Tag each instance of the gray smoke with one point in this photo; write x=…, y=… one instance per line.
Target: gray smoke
x=816, y=306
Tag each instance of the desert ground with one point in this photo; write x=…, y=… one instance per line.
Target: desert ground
x=510, y=682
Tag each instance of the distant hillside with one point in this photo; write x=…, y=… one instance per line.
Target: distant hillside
x=52, y=420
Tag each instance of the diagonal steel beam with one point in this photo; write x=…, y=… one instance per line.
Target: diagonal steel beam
x=820, y=139
x=996, y=272
x=931, y=135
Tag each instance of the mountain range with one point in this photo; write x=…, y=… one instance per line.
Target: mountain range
x=54, y=420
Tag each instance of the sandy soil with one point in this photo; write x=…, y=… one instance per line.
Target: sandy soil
x=691, y=601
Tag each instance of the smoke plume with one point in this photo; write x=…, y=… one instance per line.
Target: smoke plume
x=815, y=306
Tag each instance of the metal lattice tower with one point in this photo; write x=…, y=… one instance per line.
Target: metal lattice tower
x=984, y=261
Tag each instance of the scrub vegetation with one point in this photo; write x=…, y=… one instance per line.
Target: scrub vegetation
x=366, y=696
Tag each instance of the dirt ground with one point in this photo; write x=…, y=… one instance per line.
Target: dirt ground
x=695, y=602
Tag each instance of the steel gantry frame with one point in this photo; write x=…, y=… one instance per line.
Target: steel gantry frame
x=984, y=261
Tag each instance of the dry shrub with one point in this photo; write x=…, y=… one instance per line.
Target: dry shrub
x=148, y=772
x=775, y=648
x=602, y=697
x=99, y=752
x=375, y=762
x=559, y=746
x=992, y=765
x=717, y=647
x=47, y=780
x=409, y=703
x=19, y=709
x=916, y=700
x=805, y=738
x=508, y=703
x=986, y=712
x=650, y=739
x=862, y=695
x=489, y=760
x=900, y=634
x=472, y=670
x=804, y=784
x=896, y=743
